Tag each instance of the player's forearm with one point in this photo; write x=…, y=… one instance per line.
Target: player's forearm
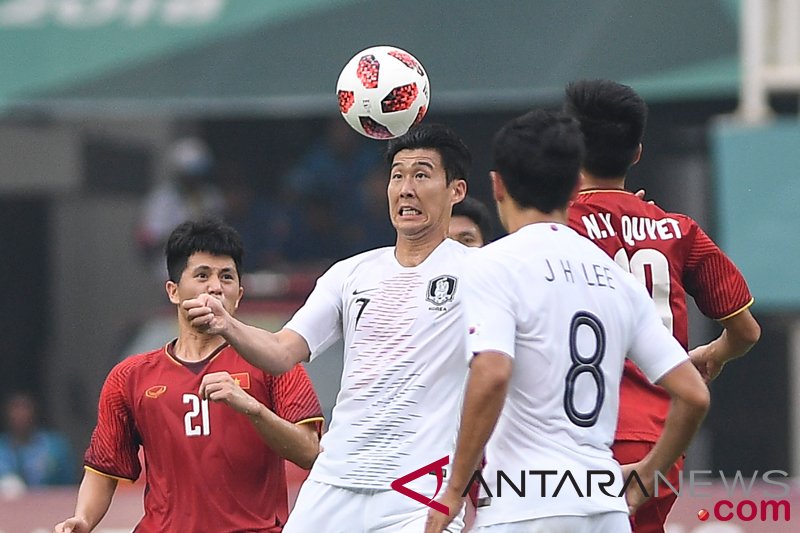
x=740, y=333
x=485, y=395
x=259, y=347
x=680, y=427
x=299, y=443
x=690, y=403
x=94, y=497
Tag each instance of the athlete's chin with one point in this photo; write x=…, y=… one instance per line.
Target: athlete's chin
x=413, y=234
x=411, y=228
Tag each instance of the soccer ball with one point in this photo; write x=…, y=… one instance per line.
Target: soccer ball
x=382, y=92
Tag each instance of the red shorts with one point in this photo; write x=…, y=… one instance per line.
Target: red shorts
x=653, y=513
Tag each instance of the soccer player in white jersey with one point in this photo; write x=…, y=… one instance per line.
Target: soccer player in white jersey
x=551, y=320
x=398, y=310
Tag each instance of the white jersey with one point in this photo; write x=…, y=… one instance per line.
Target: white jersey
x=568, y=316
x=404, y=364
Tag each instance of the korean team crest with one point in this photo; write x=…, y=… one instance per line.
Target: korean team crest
x=441, y=289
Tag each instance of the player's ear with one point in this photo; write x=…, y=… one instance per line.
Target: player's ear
x=637, y=155
x=172, y=292
x=498, y=187
x=459, y=188
x=239, y=298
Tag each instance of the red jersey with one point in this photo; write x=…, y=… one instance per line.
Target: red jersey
x=673, y=257
x=207, y=467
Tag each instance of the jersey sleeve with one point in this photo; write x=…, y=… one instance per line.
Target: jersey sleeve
x=654, y=350
x=295, y=399
x=319, y=321
x=711, y=278
x=488, y=308
x=114, y=446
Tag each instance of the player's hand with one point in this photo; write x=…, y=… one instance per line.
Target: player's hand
x=633, y=493
x=221, y=387
x=207, y=314
x=438, y=522
x=640, y=195
x=703, y=359
x=72, y=525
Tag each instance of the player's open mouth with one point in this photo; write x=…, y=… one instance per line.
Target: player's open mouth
x=409, y=212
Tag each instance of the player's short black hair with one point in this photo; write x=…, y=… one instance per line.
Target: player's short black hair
x=455, y=155
x=477, y=212
x=210, y=235
x=612, y=118
x=539, y=157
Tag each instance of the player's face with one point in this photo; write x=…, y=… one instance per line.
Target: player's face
x=465, y=231
x=420, y=200
x=208, y=274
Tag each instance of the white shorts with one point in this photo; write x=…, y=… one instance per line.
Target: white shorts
x=612, y=522
x=323, y=508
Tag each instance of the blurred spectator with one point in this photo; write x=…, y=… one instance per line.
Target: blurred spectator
x=326, y=189
x=318, y=236
x=189, y=193
x=261, y=221
x=375, y=228
x=336, y=163
x=470, y=223
x=31, y=456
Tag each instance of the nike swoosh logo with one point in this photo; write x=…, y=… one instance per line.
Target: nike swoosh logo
x=365, y=290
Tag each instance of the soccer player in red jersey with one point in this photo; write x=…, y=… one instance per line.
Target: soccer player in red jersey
x=668, y=252
x=215, y=430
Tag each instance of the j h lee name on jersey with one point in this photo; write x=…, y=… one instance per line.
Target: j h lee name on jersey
x=592, y=275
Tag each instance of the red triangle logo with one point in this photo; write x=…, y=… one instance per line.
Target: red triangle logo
x=437, y=466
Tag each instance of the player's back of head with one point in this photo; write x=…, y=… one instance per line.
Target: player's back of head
x=612, y=118
x=208, y=235
x=456, y=157
x=539, y=155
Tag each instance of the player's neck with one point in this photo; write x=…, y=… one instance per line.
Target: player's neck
x=519, y=218
x=589, y=181
x=411, y=252
x=194, y=346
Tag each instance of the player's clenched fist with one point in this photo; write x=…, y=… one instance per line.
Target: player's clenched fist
x=207, y=314
x=221, y=387
x=72, y=525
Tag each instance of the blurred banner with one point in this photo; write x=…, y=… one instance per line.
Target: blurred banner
x=282, y=57
x=757, y=192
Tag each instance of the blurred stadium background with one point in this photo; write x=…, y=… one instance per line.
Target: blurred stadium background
x=94, y=92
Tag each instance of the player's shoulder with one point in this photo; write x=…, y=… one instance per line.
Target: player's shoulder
x=456, y=249
x=133, y=363
x=684, y=220
x=616, y=201
x=368, y=259
x=605, y=197
x=128, y=371
x=510, y=250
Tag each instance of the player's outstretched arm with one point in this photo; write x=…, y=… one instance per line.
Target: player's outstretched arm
x=487, y=386
x=690, y=402
x=740, y=333
x=94, y=499
x=275, y=353
x=299, y=443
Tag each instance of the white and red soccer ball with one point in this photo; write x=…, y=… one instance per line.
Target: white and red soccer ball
x=383, y=91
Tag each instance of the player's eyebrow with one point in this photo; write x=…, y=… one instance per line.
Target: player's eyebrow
x=418, y=162
x=207, y=268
